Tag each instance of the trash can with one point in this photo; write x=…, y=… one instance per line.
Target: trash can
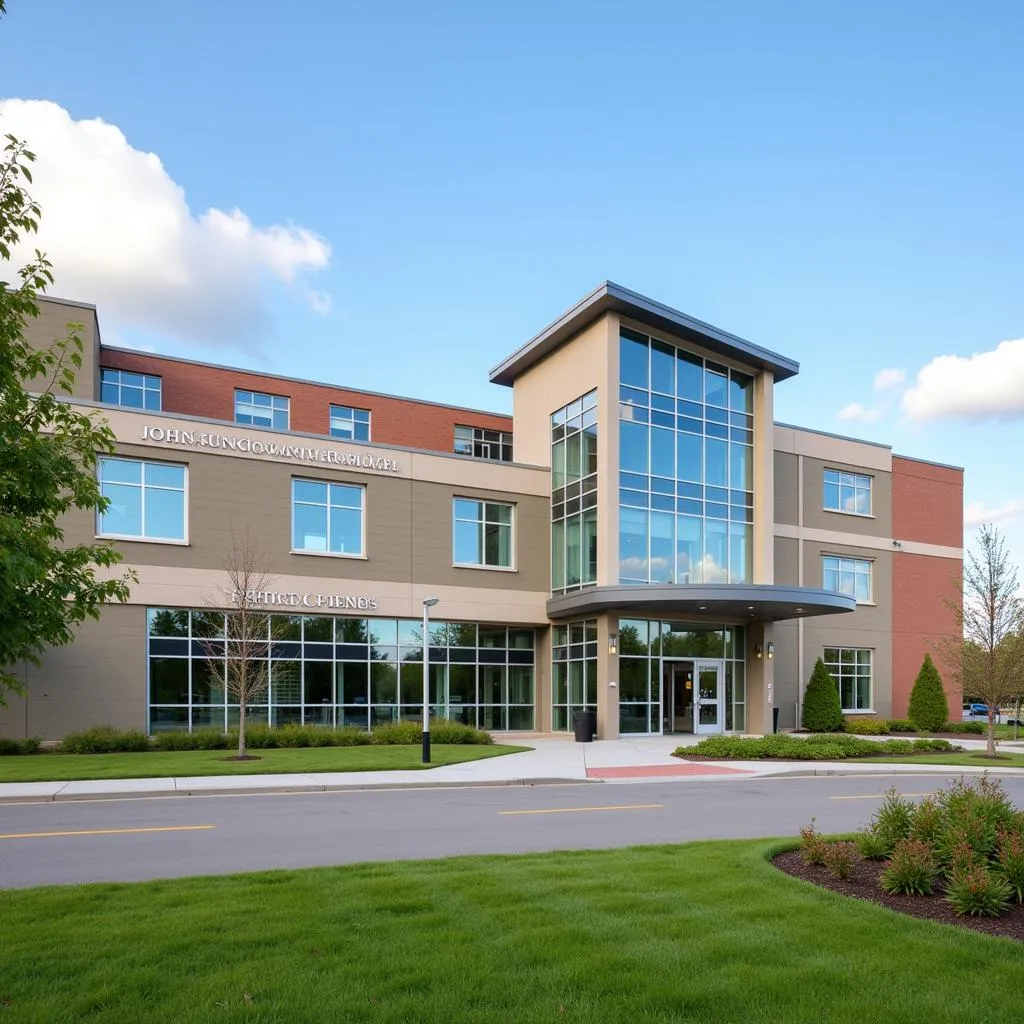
x=584, y=724
x=775, y=719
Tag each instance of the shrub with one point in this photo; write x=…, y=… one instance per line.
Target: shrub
x=456, y=732
x=105, y=739
x=976, y=728
x=1010, y=862
x=839, y=859
x=813, y=846
x=175, y=740
x=893, y=820
x=926, y=821
x=397, y=733
x=864, y=726
x=211, y=739
x=351, y=736
x=900, y=725
x=911, y=869
x=975, y=813
x=871, y=845
x=29, y=745
x=928, y=708
x=822, y=711
x=978, y=892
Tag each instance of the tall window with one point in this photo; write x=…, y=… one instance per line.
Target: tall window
x=146, y=499
x=327, y=518
x=482, y=533
x=847, y=492
x=133, y=390
x=686, y=435
x=483, y=444
x=574, y=495
x=573, y=671
x=848, y=576
x=261, y=410
x=351, y=424
x=850, y=667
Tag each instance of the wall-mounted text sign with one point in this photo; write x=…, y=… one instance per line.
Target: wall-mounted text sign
x=292, y=599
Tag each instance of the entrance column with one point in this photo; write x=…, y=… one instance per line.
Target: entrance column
x=607, y=678
x=760, y=677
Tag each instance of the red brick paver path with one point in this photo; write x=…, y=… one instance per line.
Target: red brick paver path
x=643, y=771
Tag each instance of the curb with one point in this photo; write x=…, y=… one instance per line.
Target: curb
x=340, y=787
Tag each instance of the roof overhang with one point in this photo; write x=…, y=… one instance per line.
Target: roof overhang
x=610, y=297
x=736, y=602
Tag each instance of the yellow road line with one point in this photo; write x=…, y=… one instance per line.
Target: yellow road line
x=107, y=831
x=577, y=810
x=873, y=796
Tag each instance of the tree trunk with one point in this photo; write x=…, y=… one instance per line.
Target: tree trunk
x=991, y=748
x=241, y=728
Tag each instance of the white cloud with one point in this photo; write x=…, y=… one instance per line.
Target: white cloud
x=856, y=411
x=986, y=385
x=977, y=512
x=885, y=380
x=120, y=234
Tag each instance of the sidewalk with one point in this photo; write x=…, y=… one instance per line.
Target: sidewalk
x=554, y=760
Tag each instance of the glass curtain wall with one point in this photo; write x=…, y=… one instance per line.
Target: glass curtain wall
x=573, y=671
x=645, y=645
x=574, y=495
x=686, y=435
x=341, y=671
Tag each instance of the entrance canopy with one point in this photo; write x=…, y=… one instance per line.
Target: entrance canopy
x=738, y=602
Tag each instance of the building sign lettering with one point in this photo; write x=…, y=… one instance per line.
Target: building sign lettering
x=292, y=599
x=273, y=449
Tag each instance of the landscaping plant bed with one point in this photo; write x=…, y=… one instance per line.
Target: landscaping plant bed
x=817, y=747
x=863, y=884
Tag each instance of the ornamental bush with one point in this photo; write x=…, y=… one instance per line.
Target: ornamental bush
x=865, y=727
x=29, y=745
x=911, y=869
x=900, y=725
x=929, y=709
x=105, y=739
x=822, y=711
x=839, y=859
x=978, y=892
x=977, y=728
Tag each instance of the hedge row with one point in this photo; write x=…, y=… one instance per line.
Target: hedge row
x=883, y=727
x=104, y=739
x=812, y=748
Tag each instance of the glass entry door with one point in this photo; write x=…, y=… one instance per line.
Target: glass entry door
x=708, y=710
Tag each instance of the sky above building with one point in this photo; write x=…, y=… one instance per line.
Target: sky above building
x=395, y=196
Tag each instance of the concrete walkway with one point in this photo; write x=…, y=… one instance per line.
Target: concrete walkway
x=553, y=759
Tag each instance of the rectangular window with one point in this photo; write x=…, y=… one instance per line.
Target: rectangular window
x=350, y=424
x=848, y=576
x=146, y=499
x=847, y=492
x=482, y=533
x=132, y=390
x=327, y=518
x=574, y=458
x=850, y=667
x=483, y=444
x=260, y=410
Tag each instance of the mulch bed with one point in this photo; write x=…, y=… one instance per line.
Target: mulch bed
x=863, y=885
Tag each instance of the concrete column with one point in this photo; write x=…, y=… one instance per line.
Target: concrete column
x=542, y=681
x=764, y=479
x=760, y=677
x=607, y=675
x=608, y=457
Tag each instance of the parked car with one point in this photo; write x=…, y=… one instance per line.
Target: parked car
x=975, y=711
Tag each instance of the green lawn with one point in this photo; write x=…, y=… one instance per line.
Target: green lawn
x=975, y=758
x=165, y=764
x=707, y=932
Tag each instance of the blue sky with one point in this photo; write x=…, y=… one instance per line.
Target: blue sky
x=840, y=183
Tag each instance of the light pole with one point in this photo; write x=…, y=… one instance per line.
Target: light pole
x=428, y=603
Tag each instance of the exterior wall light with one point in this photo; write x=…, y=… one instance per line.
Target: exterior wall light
x=759, y=650
x=771, y=650
x=613, y=643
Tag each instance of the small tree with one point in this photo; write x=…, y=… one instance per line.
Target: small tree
x=822, y=711
x=240, y=662
x=929, y=709
x=48, y=456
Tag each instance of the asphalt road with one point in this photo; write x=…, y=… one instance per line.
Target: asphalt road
x=136, y=839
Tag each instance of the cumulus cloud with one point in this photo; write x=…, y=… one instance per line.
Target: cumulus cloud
x=986, y=385
x=858, y=412
x=977, y=512
x=885, y=380
x=121, y=234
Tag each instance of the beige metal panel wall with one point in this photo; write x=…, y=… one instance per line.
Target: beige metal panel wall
x=788, y=685
x=764, y=478
x=52, y=324
x=787, y=488
x=99, y=679
x=879, y=524
x=408, y=524
x=870, y=626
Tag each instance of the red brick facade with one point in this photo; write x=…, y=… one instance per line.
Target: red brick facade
x=927, y=507
x=195, y=389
